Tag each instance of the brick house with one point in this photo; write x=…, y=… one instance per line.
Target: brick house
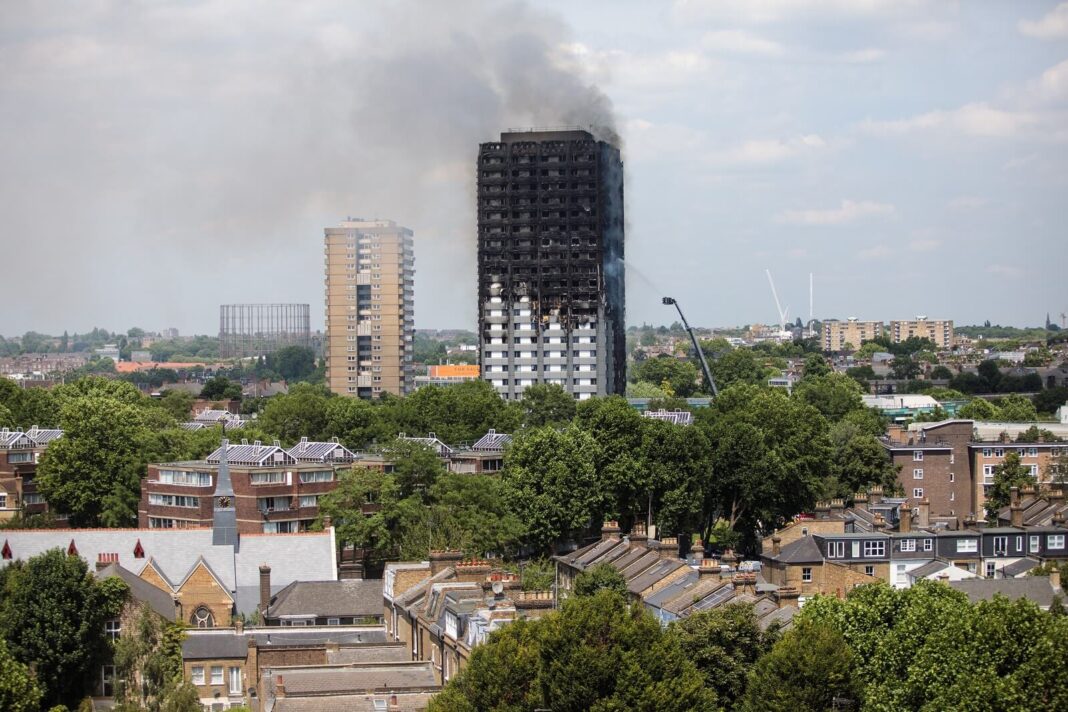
x=20, y=452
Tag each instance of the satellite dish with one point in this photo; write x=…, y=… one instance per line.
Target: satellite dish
x=498, y=587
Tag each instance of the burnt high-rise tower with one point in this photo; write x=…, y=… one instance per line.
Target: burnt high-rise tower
x=550, y=263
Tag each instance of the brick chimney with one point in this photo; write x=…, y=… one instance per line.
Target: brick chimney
x=879, y=524
x=280, y=687
x=923, y=518
x=669, y=548
x=472, y=570
x=837, y=507
x=822, y=510
x=104, y=560
x=708, y=567
x=776, y=542
x=638, y=534
x=875, y=494
x=1015, y=508
x=1056, y=496
x=1055, y=578
x=265, y=588
x=904, y=524
x=860, y=500
x=697, y=552
x=239, y=626
x=441, y=560
x=610, y=530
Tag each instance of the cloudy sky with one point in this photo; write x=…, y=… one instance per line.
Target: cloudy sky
x=158, y=159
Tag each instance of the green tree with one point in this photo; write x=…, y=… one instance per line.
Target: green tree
x=739, y=365
x=1016, y=408
x=815, y=365
x=978, y=409
x=148, y=662
x=52, y=615
x=680, y=375
x=302, y=412
x=292, y=363
x=904, y=367
x=368, y=512
x=457, y=413
x=724, y=643
x=1010, y=473
x=552, y=475
x=676, y=463
x=600, y=577
x=770, y=457
x=19, y=691
x=642, y=389
x=356, y=422
x=415, y=466
x=178, y=404
x=834, y=395
x=594, y=654
x=1049, y=400
x=804, y=672
x=221, y=388
x=860, y=461
x=7, y=418
x=619, y=431
x=990, y=372
x=547, y=404
x=941, y=372
x=93, y=473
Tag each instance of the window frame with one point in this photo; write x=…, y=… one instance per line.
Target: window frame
x=873, y=549
x=806, y=574
x=1058, y=538
x=219, y=679
x=908, y=545
x=917, y=455
x=196, y=674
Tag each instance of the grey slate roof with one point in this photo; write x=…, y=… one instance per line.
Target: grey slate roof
x=387, y=653
x=803, y=551
x=307, y=556
x=1034, y=588
x=364, y=678
x=206, y=643
x=359, y=598
x=417, y=702
x=142, y=591
x=1019, y=567
x=931, y=567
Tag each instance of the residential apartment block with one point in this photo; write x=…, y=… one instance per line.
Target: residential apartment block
x=274, y=490
x=837, y=335
x=940, y=331
x=550, y=263
x=370, y=308
x=948, y=465
x=19, y=454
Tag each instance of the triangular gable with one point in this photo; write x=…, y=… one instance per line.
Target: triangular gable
x=72, y=550
x=201, y=563
x=155, y=576
x=6, y=552
x=139, y=551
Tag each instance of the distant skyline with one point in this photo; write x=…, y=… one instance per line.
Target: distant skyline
x=160, y=159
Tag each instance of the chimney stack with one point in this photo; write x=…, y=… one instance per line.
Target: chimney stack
x=837, y=507
x=708, y=567
x=923, y=519
x=638, y=534
x=1015, y=508
x=776, y=541
x=860, y=500
x=265, y=588
x=1055, y=578
x=875, y=494
x=697, y=552
x=610, y=530
x=904, y=524
x=669, y=548
x=441, y=560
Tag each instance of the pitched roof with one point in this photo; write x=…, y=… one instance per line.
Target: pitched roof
x=205, y=643
x=360, y=598
x=14, y=438
x=157, y=599
x=329, y=451
x=492, y=441
x=255, y=454
x=1019, y=567
x=1034, y=588
x=43, y=436
x=931, y=567
x=411, y=702
x=309, y=556
x=393, y=652
x=802, y=551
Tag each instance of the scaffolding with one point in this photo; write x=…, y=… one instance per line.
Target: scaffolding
x=259, y=329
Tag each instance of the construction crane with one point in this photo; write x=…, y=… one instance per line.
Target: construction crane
x=783, y=333
x=696, y=346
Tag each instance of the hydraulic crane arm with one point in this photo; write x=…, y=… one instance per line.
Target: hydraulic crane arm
x=696, y=346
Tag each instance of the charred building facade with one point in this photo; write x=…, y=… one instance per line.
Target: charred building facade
x=550, y=263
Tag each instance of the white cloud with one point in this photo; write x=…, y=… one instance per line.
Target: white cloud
x=1052, y=86
x=874, y=253
x=679, y=68
x=768, y=11
x=741, y=42
x=967, y=202
x=1005, y=271
x=768, y=151
x=977, y=119
x=862, y=56
x=1053, y=26
x=849, y=211
x=924, y=245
